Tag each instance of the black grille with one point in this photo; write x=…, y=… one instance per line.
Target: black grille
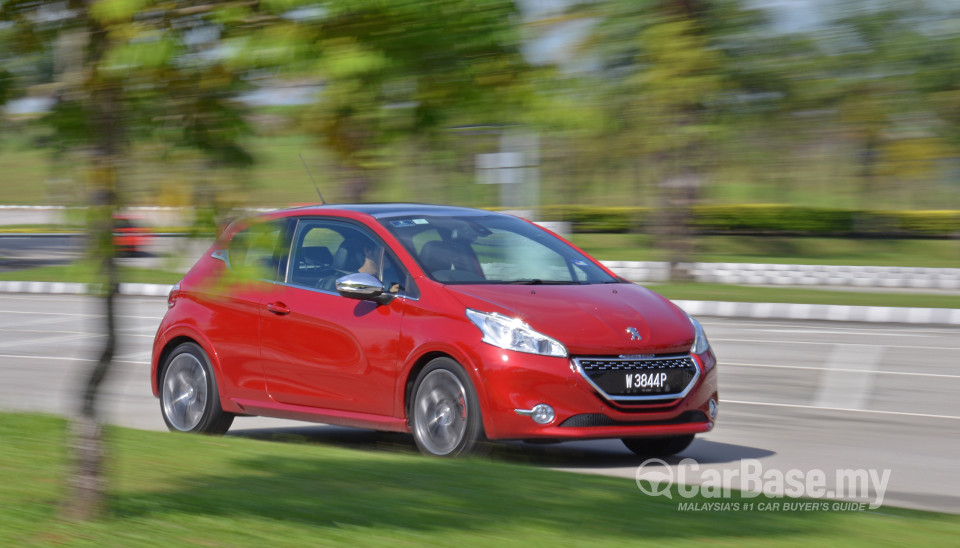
x=591, y=365
x=641, y=379
x=597, y=419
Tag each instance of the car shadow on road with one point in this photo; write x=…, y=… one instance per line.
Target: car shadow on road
x=595, y=454
x=610, y=454
x=350, y=438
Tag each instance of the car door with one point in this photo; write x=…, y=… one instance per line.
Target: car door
x=251, y=265
x=323, y=350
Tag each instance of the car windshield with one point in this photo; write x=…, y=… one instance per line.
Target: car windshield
x=495, y=249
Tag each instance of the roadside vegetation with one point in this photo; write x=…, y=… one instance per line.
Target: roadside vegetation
x=170, y=490
x=782, y=250
x=931, y=253
x=766, y=294
x=85, y=271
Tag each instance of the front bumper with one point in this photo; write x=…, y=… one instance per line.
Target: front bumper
x=516, y=381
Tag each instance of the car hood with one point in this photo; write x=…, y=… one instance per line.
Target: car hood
x=590, y=320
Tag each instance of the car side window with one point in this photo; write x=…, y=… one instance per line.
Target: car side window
x=258, y=251
x=325, y=250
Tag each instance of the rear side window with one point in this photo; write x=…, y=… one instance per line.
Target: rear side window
x=258, y=251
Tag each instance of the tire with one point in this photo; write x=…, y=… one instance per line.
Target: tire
x=189, y=400
x=658, y=447
x=444, y=413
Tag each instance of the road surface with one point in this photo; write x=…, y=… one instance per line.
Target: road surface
x=794, y=395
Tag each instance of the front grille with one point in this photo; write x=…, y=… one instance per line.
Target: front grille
x=636, y=380
x=608, y=364
x=597, y=419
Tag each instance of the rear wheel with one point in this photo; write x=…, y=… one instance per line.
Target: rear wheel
x=658, y=447
x=444, y=413
x=189, y=400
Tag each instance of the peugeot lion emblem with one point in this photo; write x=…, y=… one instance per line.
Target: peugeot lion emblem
x=634, y=334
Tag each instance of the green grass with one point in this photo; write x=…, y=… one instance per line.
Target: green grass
x=782, y=250
x=174, y=490
x=740, y=293
x=86, y=272
x=26, y=171
x=39, y=228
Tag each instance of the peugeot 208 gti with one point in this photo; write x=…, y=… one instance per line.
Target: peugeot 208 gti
x=456, y=325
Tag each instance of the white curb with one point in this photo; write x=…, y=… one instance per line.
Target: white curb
x=64, y=288
x=828, y=312
x=794, y=274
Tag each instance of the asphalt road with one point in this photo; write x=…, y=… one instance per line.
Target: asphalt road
x=809, y=396
x=166, y=252
x=26, y=251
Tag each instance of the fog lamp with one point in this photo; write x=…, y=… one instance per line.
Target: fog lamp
x=541, y=413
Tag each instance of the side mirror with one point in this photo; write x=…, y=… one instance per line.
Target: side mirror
x=363, y=287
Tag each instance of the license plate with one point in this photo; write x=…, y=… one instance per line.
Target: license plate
x=655, y=380
x=643, y=382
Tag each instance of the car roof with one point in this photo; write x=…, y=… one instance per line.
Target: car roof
x=388, y=210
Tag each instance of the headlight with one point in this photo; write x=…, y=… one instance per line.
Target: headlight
x=700, y=342
x=512, y=334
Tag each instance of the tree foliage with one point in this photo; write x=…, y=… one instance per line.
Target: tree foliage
x=125, y=70
x=396, y=70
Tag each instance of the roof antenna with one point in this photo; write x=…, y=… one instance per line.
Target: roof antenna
x=322, y=201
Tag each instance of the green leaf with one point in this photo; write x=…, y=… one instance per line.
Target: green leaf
x=140, y=56
x=347, y=60
x=283, y=6
x=113, y=11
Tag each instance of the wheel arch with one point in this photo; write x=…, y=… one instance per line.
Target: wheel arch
x=176, y=338
x=167, y=349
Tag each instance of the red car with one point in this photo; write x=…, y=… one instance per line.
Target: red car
x=457, y=325
x=129, y=237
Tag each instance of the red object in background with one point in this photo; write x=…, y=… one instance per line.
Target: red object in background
x=454, y=324
x=129, y=237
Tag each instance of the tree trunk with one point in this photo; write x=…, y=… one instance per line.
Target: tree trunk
x=675, y=227
x=88, y=499
x=103, y=104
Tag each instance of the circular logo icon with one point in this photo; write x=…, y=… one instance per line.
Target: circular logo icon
x=654, y=477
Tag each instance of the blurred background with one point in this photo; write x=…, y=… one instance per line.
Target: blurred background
x=720, y=141
x=845, y=110
x=672, y=130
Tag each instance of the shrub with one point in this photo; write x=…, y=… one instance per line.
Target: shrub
x=765, y=219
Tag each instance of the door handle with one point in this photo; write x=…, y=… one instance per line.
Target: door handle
x=278, y=308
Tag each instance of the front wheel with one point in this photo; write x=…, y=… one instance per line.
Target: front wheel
x=444, y=413
x=189, y=400
x=658, y=447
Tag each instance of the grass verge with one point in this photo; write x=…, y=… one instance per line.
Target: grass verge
x=170, y=490
x=49, y=228
x=751, y=294
x=782, y=250
x=85, y=271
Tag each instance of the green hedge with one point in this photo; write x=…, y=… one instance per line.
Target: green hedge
x=597, y=219
x=765, y=218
